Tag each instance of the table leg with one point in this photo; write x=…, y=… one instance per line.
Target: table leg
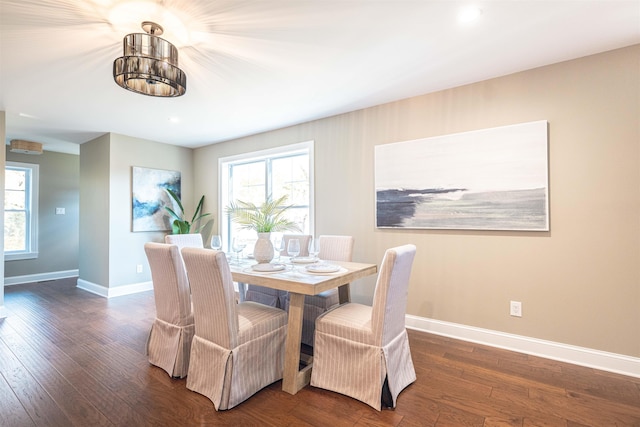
x=344, y=294
x=242, y=291
x=293, y=379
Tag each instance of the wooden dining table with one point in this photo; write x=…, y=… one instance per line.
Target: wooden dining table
x=299, y=282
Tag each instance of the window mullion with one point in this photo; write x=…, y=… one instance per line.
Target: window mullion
x=268, y=179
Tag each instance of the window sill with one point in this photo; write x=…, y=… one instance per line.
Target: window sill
x=20, y=256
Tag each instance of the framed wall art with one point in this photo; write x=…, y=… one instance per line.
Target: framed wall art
x=490, y=179
x=150, y=197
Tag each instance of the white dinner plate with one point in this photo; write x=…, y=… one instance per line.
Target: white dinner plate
x=322, y=268
x=304, y=260
x=268, y=268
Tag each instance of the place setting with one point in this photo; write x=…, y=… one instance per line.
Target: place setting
x=293, y=249
x=266, y=268
x=296, y=265
x=304, y=260
x=324, y=268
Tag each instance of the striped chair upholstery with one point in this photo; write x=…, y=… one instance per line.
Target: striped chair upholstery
x=169, y=342
x=359, y=348
x=275, y=297
x=193, y=240
x=237, y=349
x=332, y=248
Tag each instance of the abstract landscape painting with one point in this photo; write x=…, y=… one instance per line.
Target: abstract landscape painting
x=491, y=179
x=150, y=198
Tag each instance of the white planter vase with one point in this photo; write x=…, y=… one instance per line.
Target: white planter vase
x=263, y=250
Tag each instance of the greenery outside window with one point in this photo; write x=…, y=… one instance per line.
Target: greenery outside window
x=21, y=211
x=252, y=177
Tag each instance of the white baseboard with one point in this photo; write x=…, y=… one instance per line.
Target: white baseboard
x=612, y=362
x=106, y=292
x=597, y=359
x=40, y=277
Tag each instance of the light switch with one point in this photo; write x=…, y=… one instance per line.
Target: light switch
x=59, y=211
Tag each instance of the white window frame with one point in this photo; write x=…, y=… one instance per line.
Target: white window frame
x=223, y=178
x=31, y=189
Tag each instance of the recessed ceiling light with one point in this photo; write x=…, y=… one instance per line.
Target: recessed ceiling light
x=174, y=119
x=28, y=116
x=469, y=14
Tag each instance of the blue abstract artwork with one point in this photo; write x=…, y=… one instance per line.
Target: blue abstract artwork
x=490, y=179
x=150, y=197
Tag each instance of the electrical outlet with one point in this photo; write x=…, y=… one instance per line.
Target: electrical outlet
x=139, y=268
x=515, y=308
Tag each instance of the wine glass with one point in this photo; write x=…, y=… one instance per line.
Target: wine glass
x=277, y=244
x=313, y=248
x=216, y=243
x=293, y=248
x=281, y=248
x=238, y=246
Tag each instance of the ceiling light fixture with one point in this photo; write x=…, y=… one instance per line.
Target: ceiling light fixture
x=150, y=64
x=25, y=147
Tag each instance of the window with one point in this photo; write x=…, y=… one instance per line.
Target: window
x=253, y=177
x=20, y=211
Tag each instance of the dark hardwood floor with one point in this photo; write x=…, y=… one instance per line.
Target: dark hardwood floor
x=70, y=358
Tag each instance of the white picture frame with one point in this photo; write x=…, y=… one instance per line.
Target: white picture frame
x=490, y=179
x=149, y=197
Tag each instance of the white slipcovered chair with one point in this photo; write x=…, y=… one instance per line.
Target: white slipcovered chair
x=331, y=248
x=169, y=342
x=275, y=297
x=359, y=349
x=237, y=349
x=193, y=240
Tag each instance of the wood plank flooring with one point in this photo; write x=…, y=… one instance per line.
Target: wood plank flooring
x=71, y=358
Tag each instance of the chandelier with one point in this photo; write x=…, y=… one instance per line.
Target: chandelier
x=150, y=64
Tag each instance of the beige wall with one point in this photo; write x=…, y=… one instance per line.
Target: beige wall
x=579, y=283
x=93, y=259
x=57, y=234
x=109, y=250
x=3, y=159
x=127, y=248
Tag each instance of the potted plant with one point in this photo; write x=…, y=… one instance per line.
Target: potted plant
x=263, y=219
x=180, y=225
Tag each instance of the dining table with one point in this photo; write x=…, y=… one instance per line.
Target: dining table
x=300, y=278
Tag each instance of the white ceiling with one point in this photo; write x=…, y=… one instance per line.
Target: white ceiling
x=258, y=65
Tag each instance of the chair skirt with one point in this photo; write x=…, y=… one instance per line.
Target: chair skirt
x=348, y=360
x=169, y=347
x=230, y=376
x=266, y=296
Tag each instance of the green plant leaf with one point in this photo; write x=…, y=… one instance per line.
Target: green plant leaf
x=195, y=215
x=180, y=225
x=175, y=197
x=268, y=217
x=173, y=214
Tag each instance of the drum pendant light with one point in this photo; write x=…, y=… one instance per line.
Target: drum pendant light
x=150, y=64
